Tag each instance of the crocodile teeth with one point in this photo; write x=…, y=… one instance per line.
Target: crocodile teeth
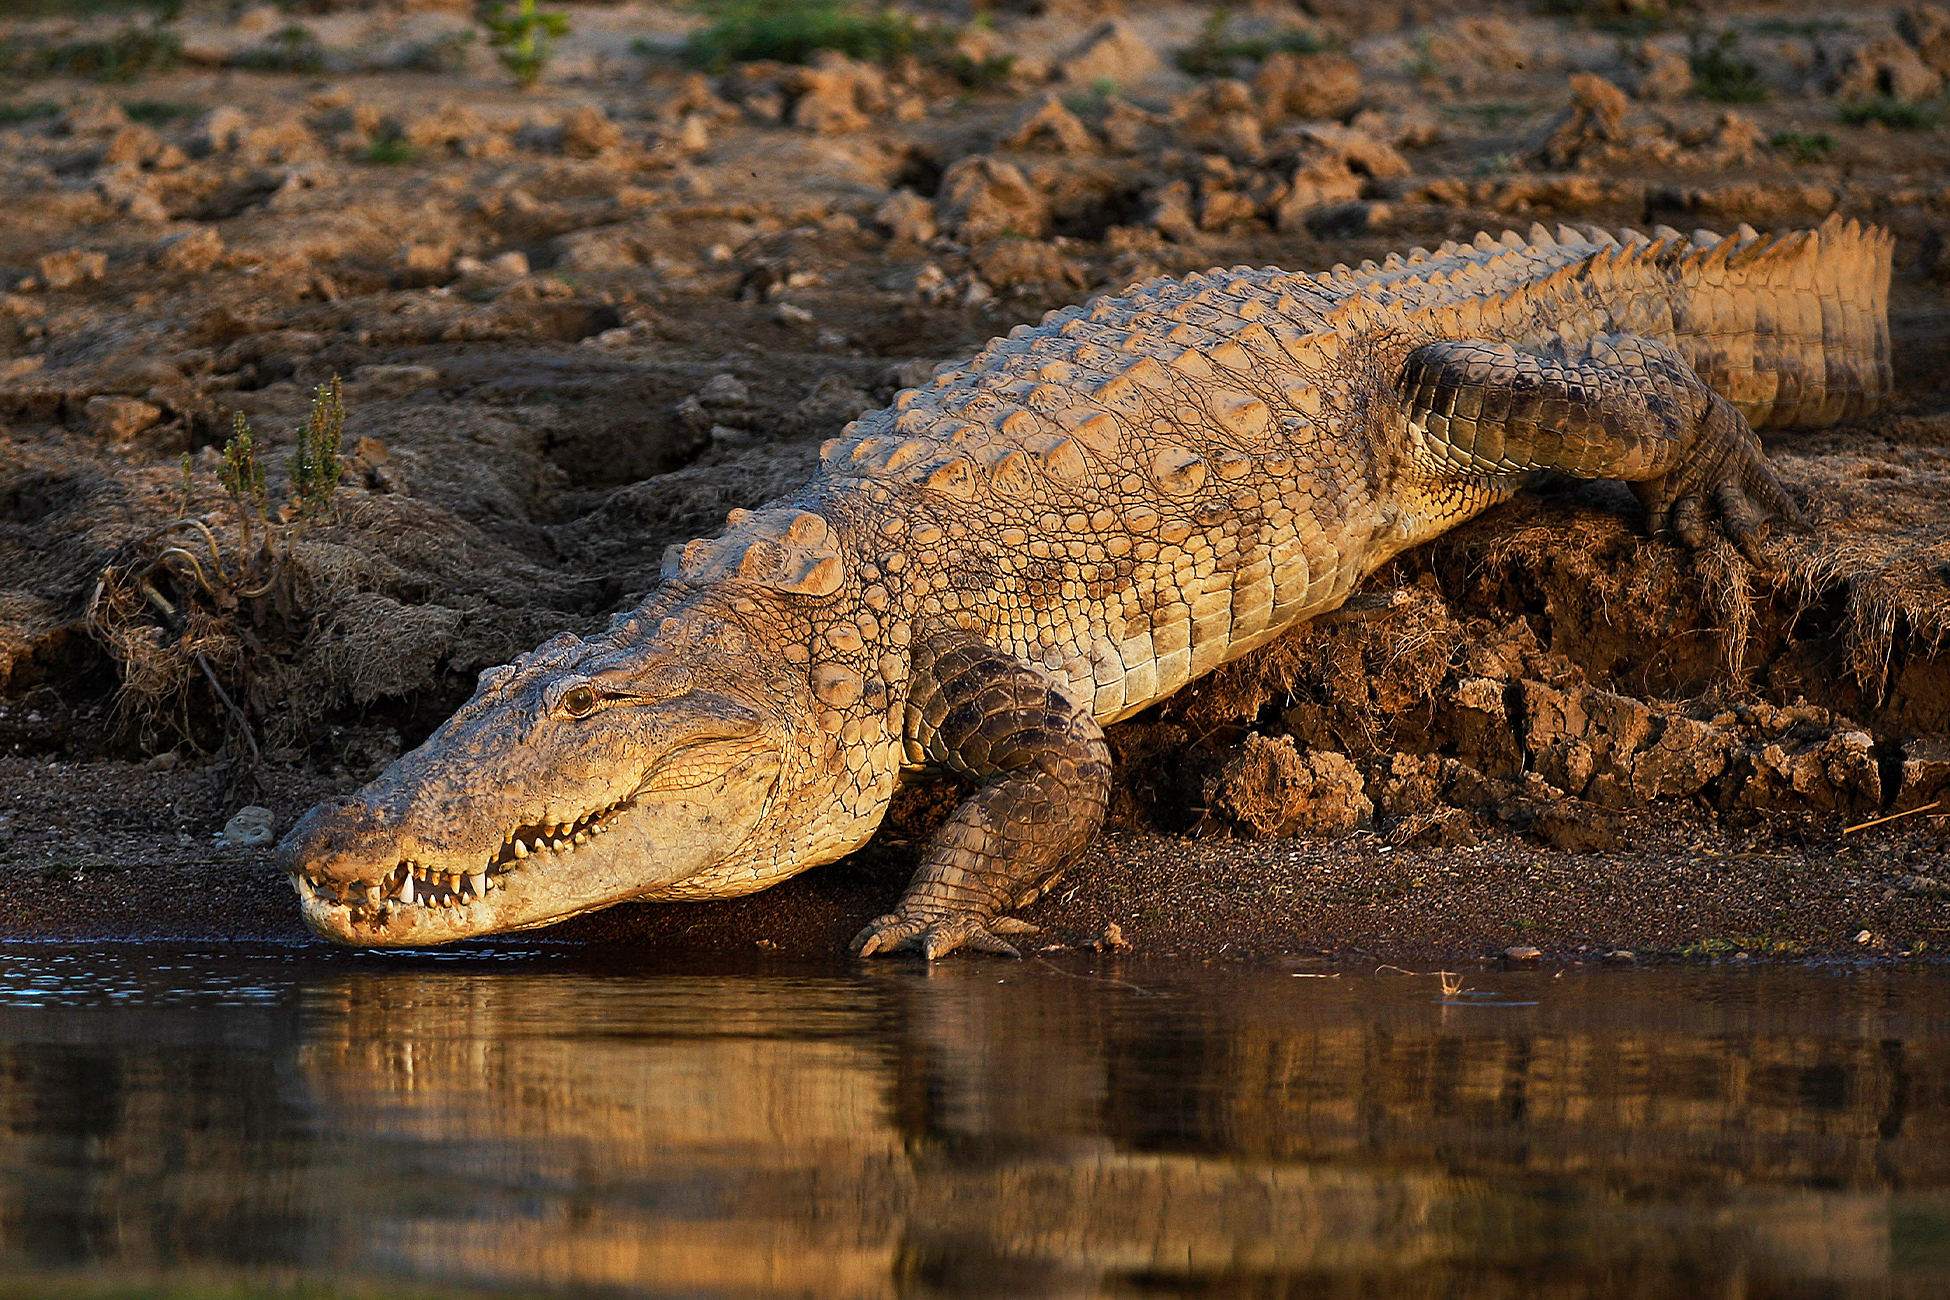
x=521, y=849
x=406, y=889
x=477, y=883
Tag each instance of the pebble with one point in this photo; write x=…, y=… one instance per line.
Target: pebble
x=1522, y=954
x=250, y=828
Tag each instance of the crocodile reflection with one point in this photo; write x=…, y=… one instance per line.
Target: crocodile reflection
x=758, y=1136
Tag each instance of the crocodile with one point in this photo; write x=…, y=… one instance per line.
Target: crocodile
x=1085, y=517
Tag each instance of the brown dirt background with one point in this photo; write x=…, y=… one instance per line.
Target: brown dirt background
x=580, y=322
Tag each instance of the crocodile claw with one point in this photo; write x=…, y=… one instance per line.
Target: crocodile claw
x=1726, y=483
x=937, y=935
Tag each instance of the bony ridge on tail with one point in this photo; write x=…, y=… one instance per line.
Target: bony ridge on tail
x=1082, y=519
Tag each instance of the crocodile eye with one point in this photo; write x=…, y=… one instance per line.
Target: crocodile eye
x=579, y=702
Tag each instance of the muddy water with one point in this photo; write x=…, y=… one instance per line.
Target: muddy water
x=523, y=1120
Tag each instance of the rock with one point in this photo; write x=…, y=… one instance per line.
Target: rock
x=1331, y=164
x=1476, y=720
x=1406, y=126
x=838, y=94
x=1111, y=940
x=132, y=144
x=1596, y=116
x=1521, y=954
x=1663, y=74
x=132, y=190
x=446, y=125
x=252, y=827
x=600, y=250
x=1361, y=151
x=1221, y=209
x=1621, y=957
x=1575, y=827
x=931, y=285
x=1318, y=182
x=907, y=217
x=1735, y=139
x=1411, y=784
x=1044, y=123
x=1113, y=53
x=286, y=141
x=1271, y=790
x=422, y=263
x=1171, y=211
x=726, y=391
x=1925, y=773
x=192, y=253
x=1887, y=68
x=92, y=117
x=220, y=127
x=1927, y=28
x=1127, y=128
x=587, y=132
x=1684, y=759
x=982, y=198
x=72, y=266
x=1307, y=86
x=118, y=419
x=378, y=383
x=1835, y=773
x=1029, y=266
x=832, y=402
x=1220, y=115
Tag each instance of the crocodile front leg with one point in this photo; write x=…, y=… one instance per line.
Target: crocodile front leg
x=1045, y=771
x=1629, y=408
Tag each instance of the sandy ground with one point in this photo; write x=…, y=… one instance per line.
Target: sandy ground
x=578, y=322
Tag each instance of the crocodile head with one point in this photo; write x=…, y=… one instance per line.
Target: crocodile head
x=578, y=776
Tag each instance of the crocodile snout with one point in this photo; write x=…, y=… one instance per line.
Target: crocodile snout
x=343, y=838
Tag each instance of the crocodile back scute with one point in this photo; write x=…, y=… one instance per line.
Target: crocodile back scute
x=1145, y=486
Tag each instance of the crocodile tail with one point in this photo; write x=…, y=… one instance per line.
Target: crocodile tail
x=1792, y=330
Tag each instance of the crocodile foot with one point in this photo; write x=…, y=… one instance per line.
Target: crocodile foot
x=1725, y=481
x=936, y=934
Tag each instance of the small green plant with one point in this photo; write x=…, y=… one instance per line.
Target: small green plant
x=1424, y=66
x=1896, y=114
x=1494, y=114
x=1802, y=146
x=978, y=74
x=1719, y=76
x=242, y=476
x=1634, y=18
x=157, y=112
x=316, y=465
x=1214, y=54
x=32, y=111
x=793, y=31
x=389, y=151
x=289, y=49
x=1801, y=26
x=133, y=52
x=523, y=38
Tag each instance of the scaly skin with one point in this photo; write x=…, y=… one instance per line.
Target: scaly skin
x=1086, y=517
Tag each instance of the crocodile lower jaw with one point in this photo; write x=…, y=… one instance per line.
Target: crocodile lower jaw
x=418, y=903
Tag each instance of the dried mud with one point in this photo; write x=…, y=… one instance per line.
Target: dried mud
x=579, y=323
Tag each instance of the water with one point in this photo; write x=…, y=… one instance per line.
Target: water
x=234, y=1122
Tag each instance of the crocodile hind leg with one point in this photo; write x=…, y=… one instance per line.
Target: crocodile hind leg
x=1045, y=773
x=1628, y=408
